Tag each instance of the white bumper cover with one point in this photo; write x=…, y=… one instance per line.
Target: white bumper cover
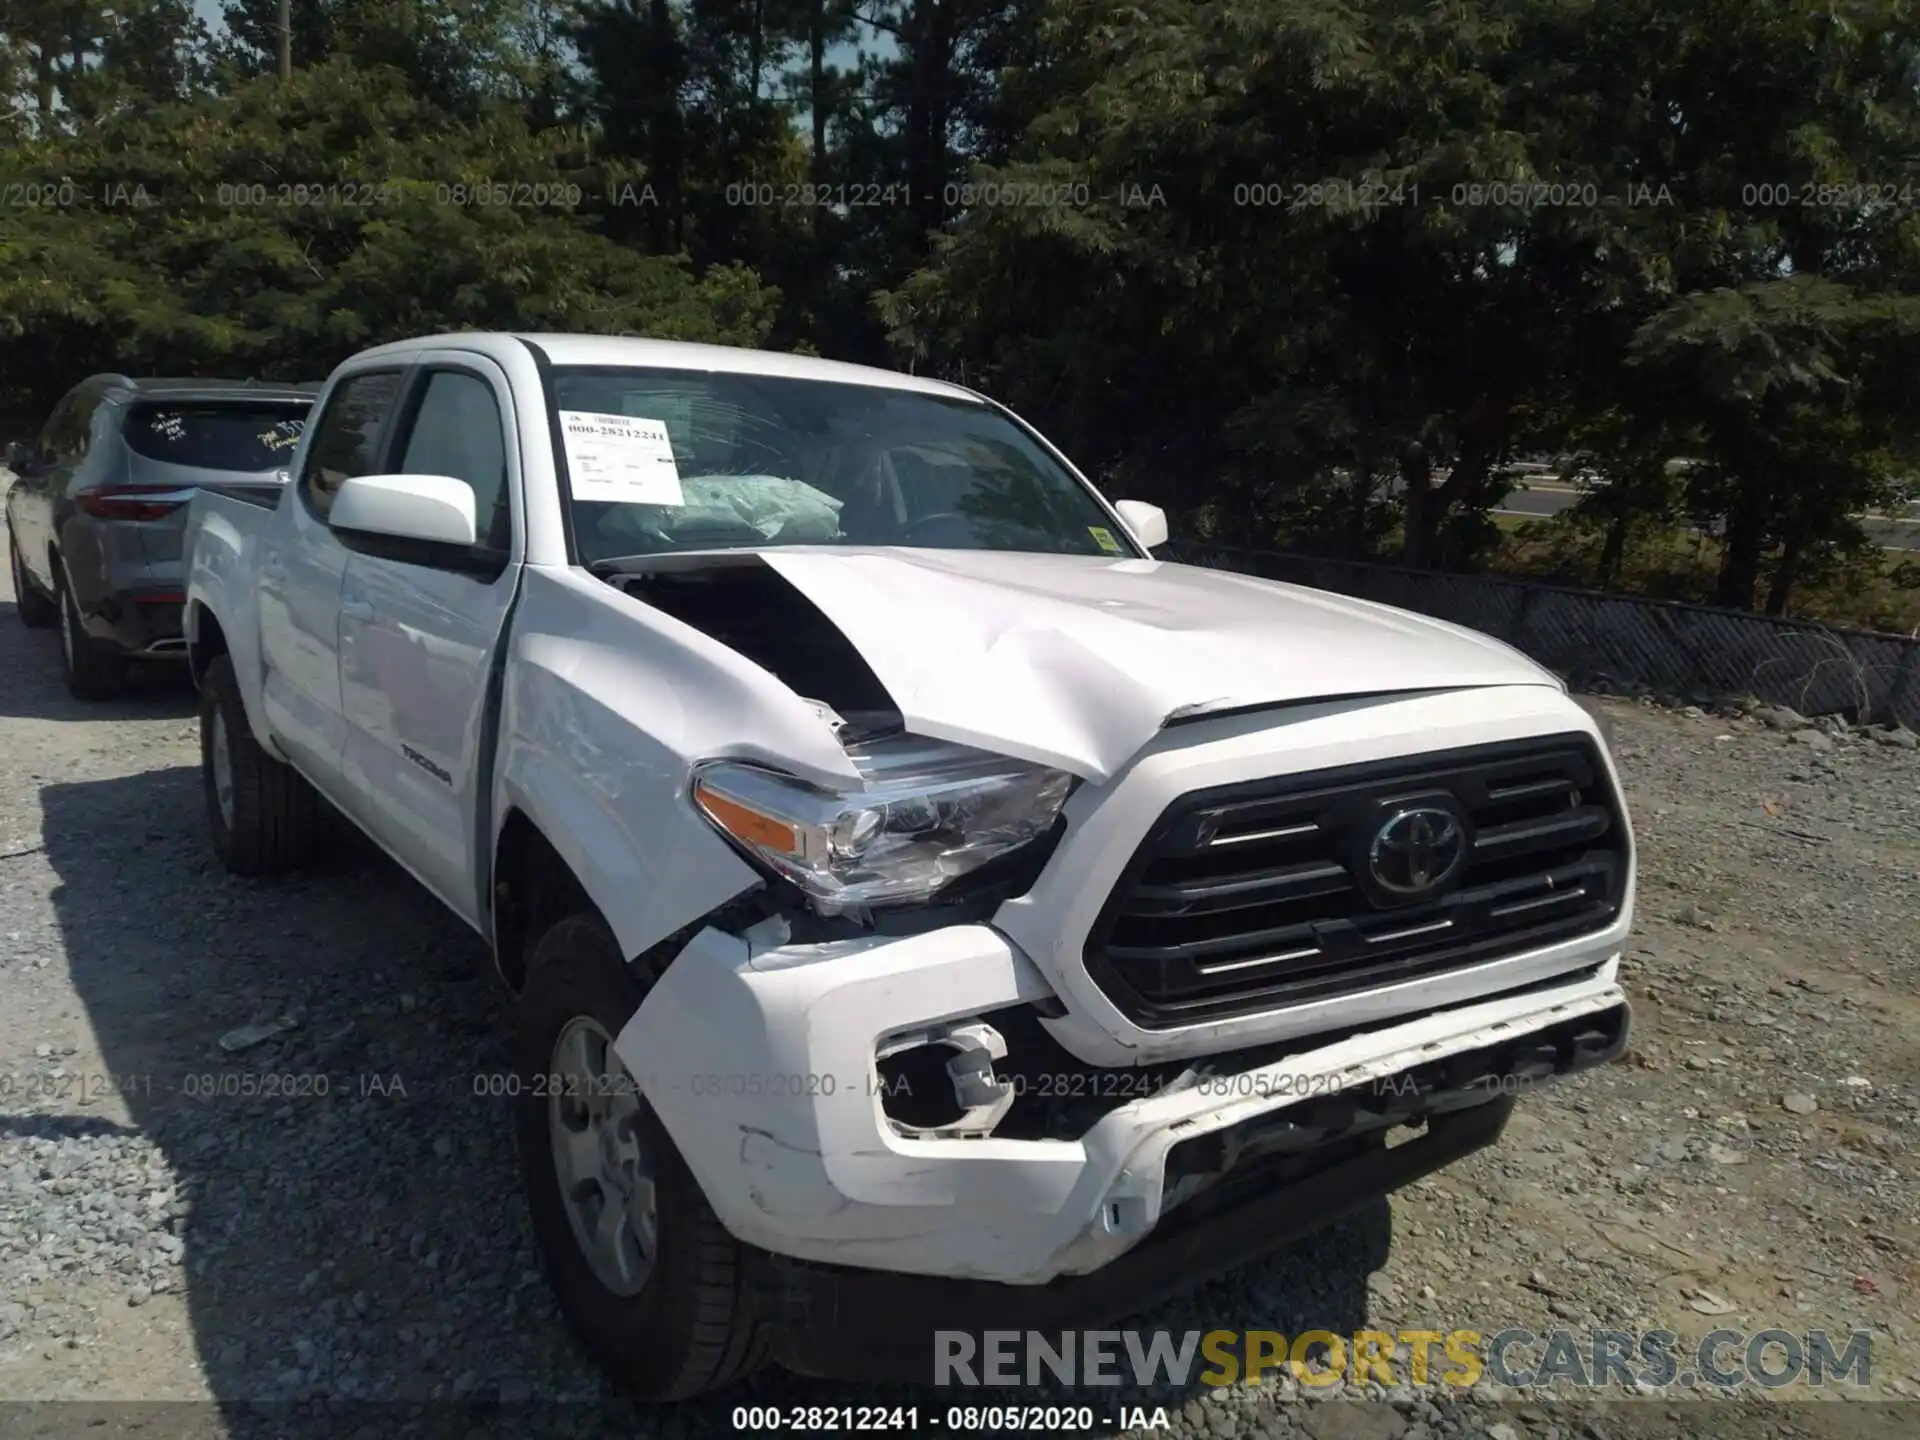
x=762, y=1065
x=762, y=1068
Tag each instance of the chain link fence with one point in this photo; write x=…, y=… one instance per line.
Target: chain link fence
x=1599, y=641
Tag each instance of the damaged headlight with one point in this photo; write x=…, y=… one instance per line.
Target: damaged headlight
x=928, y=813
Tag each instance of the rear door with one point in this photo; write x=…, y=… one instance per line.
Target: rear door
x=30, y=500
x=96, y=544
x=302, y=566
x=418, y=631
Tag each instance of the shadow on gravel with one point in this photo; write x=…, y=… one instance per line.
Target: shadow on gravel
x=61, y=1127
x=355, y=1254
x=35, y=688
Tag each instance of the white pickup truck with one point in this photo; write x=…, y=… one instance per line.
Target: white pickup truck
x=922, y=906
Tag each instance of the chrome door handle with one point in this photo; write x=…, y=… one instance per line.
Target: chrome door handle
x=356, y=610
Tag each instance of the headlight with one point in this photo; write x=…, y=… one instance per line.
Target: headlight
x=928, y=813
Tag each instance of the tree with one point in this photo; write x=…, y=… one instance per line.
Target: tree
x=637, y=56
x=457, y=53
x=1793, y=385
x=1242, y=259
x=276, y=230
x=703, y=100
x=1310, y=272
x=252, y=37
x=1413, y=236
x=67, y=62
x=1783, y=330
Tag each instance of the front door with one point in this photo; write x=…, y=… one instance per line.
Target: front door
x=418, y=631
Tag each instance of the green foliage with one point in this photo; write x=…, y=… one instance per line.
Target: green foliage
x=1872, y=589
x=1787, y=382
x=1308, y=272
x=275, y=231
x=66, y=62
x=1434, y=235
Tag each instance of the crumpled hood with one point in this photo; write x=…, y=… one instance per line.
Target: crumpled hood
x=1078, y=661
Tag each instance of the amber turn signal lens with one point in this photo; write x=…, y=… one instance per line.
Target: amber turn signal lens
x=747, y=825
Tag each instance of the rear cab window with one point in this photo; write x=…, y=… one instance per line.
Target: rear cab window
x=250, y=437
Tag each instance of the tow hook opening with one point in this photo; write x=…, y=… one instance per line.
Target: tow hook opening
x=939, y=1083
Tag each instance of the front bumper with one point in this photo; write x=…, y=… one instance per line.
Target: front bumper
x=830, y=1320
x=762, y=1066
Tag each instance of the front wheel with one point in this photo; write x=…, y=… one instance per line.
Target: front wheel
x=263, y=814
x=646, y=1274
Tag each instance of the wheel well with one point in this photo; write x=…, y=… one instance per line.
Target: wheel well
x=532, y=888
x=209, y=640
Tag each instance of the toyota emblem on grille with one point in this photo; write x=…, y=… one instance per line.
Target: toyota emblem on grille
x=1417, y=850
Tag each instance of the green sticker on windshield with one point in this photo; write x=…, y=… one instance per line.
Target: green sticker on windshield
x=1104, y=539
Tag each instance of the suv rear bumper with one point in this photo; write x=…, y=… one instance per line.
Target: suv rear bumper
x=762, y=1066
x=142, y=622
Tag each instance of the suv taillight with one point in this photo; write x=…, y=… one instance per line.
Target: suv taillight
x=130, y=502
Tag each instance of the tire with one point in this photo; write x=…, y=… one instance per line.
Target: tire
x=270, y=820
x=693, y=1325
x=37, y=612
x=95, y=669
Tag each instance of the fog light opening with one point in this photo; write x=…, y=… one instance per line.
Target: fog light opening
x=914, y=1090
x=940, y=1083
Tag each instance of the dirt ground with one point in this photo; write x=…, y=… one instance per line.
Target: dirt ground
x=172, y=1230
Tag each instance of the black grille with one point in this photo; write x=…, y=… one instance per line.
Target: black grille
x=1257, y=895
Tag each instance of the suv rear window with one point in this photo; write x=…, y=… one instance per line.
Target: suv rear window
x=217, y=435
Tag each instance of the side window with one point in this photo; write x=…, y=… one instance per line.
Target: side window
x=43, y=443
x=457, y=431
x=347, y=438
x=77, y=435
x=65, y=437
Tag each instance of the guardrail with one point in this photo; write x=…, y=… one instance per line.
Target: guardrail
x=1598, y=641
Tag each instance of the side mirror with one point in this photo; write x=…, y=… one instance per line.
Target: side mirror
x=437, y=509
x=1147, y=522
x=21, y=456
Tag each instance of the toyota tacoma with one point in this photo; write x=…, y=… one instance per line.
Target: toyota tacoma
x=916, y=899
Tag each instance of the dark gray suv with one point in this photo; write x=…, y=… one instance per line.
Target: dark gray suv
x=96, y=511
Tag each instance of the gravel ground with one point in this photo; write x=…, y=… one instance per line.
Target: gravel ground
x=358, y=1262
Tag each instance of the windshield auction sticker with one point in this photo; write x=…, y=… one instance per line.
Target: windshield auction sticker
x=621, y=458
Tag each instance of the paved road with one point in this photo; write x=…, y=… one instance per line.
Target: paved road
x=1542, y=498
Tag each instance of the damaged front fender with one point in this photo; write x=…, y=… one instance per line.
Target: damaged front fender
x=607, y=706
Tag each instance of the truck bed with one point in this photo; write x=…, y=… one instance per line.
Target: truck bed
x=225, y=525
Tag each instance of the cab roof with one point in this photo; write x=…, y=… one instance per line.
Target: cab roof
x=629, y=350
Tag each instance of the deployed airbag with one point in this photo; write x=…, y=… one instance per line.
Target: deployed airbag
x=779, y=510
